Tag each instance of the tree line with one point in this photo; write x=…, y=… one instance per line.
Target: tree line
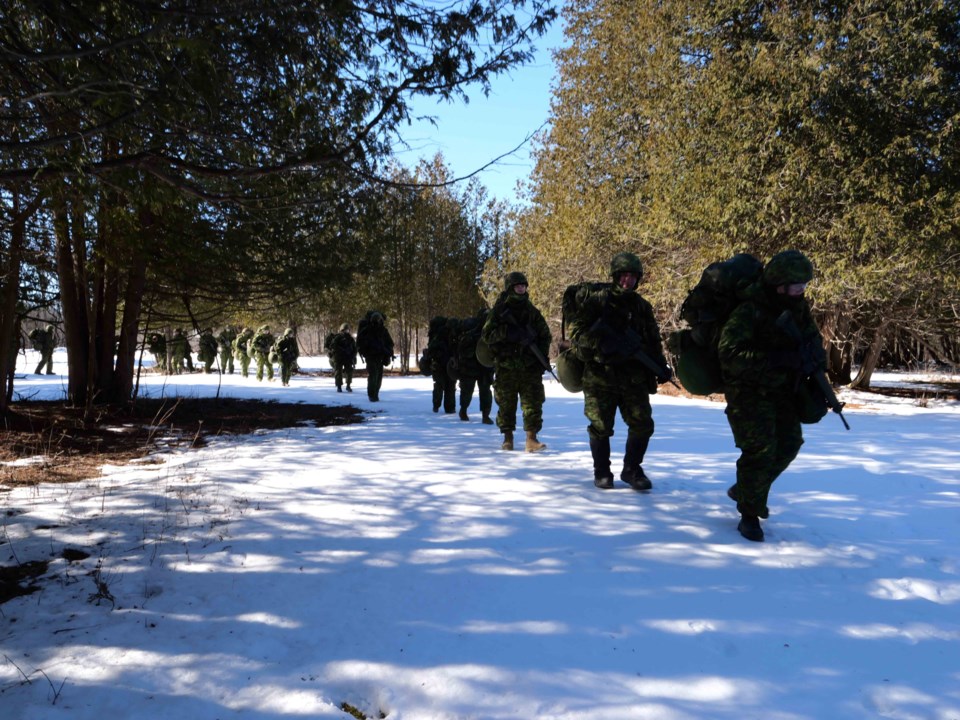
x=688, y=131
x=194, y=161
x=197, y=163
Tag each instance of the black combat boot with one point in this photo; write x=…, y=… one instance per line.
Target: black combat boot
x=750, y=528
x=632, y=474
x=463, y=414
x=600, y=450
x=487, y=420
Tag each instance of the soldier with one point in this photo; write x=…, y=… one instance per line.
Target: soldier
x=241, y=350
x=343, y=357
x=180, y=352
x=287, y=350
x=157, y=344
x=615, y=335
x=440, y=351
x=375, y=347
x=472, y=373
x=519, y=339
x=260, y=348
x=225, y=342
x=769, y=342
x=44, y=341
x=207, y=352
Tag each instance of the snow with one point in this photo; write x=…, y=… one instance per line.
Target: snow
x=407, y=567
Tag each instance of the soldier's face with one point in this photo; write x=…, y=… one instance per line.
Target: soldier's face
x=627, y=280
x=792, y=289
x=520, y=288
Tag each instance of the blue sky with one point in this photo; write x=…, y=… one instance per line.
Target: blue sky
x=471, y=135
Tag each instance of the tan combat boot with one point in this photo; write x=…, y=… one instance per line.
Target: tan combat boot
x=507, y=440
x=533, y=445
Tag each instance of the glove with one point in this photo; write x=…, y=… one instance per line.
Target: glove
x=666, y=376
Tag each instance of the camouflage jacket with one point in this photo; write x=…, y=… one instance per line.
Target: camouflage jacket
x=514, y=324
x=343, y=349
x=768, y=345
x=610, y=329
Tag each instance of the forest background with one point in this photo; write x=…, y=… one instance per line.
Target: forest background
x=199, y=164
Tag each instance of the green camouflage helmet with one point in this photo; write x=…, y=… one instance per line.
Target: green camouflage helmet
x=514, y=278
x=789, y=266
x=625, y=262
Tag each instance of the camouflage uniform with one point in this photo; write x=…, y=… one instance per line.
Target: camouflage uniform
x=376, y=348
x=207, y=350
x=612, y=326
x=158, y=348
x=440, y=351
x=472, y=373
x=343, y=357
x=44, y=342
x=241, y=350
x=767, y=345
x=180, y=352
x=513, y=326
x=225, y=343
x=260, y=348
x=287, y=351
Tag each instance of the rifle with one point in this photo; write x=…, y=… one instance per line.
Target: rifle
x=529, y=340
x=809, y=369
x=827, y=390
x=636, y=351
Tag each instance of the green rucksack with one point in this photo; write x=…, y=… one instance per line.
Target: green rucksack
x=705, y=310
x=569, y=365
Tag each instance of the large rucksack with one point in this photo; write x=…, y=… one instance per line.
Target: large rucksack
x=706, y=309
x=569, y=366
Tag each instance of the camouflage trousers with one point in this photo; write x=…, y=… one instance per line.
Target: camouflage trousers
x=484, y=392
x=226, y=361
x=600, y=405
x=264, y=364
x=374, y=376
x=340, y=371
x=444, y=391
x=525, y=384
x=767, y=430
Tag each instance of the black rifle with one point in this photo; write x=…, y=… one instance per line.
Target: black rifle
x=529, y=340
x=635, y=352
x=809, y=368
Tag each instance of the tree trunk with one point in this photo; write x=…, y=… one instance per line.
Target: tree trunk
x=862, y=380
x=72, y=279
x=10, y=284
x=123, y=378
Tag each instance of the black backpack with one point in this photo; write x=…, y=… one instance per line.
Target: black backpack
x=706, y=309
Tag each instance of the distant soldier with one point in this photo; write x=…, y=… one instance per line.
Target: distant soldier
x=472, y=373
x=180, y=352
x=158, y=348
x=287, y=351
x=375, y=346
x=440, y=350
x=343, y=357
x=519, y=339
x=241, y=350
x=225, y=341
x=260, y=349
x=207, y=352
x=43, y=342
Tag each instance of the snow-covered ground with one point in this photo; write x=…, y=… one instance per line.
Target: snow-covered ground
x=408, y=568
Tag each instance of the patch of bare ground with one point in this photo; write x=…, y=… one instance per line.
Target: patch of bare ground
x=52, y=442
